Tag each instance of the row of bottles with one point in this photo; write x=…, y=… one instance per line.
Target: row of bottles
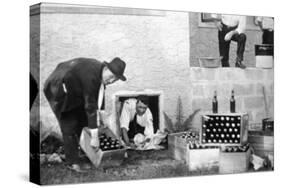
x=215, y=103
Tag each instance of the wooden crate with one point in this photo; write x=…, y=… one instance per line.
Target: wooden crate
x=177, y=147
x=234, y=162
x=262, y=142
x=196, y=159
x=218, y=129
x=203, y=159
x=100, y=158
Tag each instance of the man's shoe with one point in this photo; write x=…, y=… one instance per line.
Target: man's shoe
x=77, y=168
x=225, y=64
x=240, y=65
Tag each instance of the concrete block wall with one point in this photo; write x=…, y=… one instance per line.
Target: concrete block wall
x=248, y=87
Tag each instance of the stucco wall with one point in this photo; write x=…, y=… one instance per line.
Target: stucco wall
x=154, y=47
x=204, y=43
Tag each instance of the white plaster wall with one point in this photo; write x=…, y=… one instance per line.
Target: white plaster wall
x=156, y=49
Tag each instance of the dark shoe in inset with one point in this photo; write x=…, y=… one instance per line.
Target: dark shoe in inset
x=225, y=64
x=240, y=65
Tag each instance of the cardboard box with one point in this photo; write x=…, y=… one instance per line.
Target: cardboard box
x=264, y=56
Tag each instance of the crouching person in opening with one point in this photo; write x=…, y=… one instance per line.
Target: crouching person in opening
x=75, y=91
x=136, y=118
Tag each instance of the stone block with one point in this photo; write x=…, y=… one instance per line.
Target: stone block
x=254, y=102
x=269, y=74
x=223, y=89
x=233, y=74
x=202, y=103
x=243, y=89
x=254, y=74
x=268, y=86
x=203, y=73
x=198, y=90
x=259, y=115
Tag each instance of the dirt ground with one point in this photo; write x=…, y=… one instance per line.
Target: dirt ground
x=138, y=165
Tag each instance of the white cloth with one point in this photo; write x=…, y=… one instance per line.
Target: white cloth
x=152, y=144
x=101, y=94
x=100, y=100
x=128, y=113
x=94, y=132
x=232, y=21
x=94, y=138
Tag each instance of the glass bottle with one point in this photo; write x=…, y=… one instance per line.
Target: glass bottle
x=215, y=103
x=232, y=102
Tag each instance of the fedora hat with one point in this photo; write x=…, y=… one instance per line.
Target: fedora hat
x=117, y=67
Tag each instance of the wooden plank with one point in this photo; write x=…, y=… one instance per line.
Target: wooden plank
x=234, y=162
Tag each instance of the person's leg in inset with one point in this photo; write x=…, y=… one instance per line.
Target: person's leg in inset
x=223, y=48
x=241, y=42
x=267, y=37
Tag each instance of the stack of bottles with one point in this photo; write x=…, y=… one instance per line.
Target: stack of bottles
x=221, y=129
x=108, y=143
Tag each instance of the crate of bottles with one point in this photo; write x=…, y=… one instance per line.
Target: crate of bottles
x=185, y=146
x=202, y=157
x=177, y=143
x=110, y=153
x=234, y=159
x=229, y=129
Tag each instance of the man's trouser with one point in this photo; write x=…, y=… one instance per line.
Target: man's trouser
x=134, y=128
x=224, y=45
x=71, y=124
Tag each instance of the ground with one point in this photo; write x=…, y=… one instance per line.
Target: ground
x=138, y=165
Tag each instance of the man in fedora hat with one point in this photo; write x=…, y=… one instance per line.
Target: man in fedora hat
x=75, y=91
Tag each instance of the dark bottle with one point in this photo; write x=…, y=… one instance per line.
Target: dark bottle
x=215, y=103
x=232, y=102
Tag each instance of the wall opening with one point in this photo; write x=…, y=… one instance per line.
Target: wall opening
x=155, y=106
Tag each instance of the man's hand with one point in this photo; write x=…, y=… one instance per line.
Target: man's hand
x=229, y=35
x=218, y=25
x=94, y=138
